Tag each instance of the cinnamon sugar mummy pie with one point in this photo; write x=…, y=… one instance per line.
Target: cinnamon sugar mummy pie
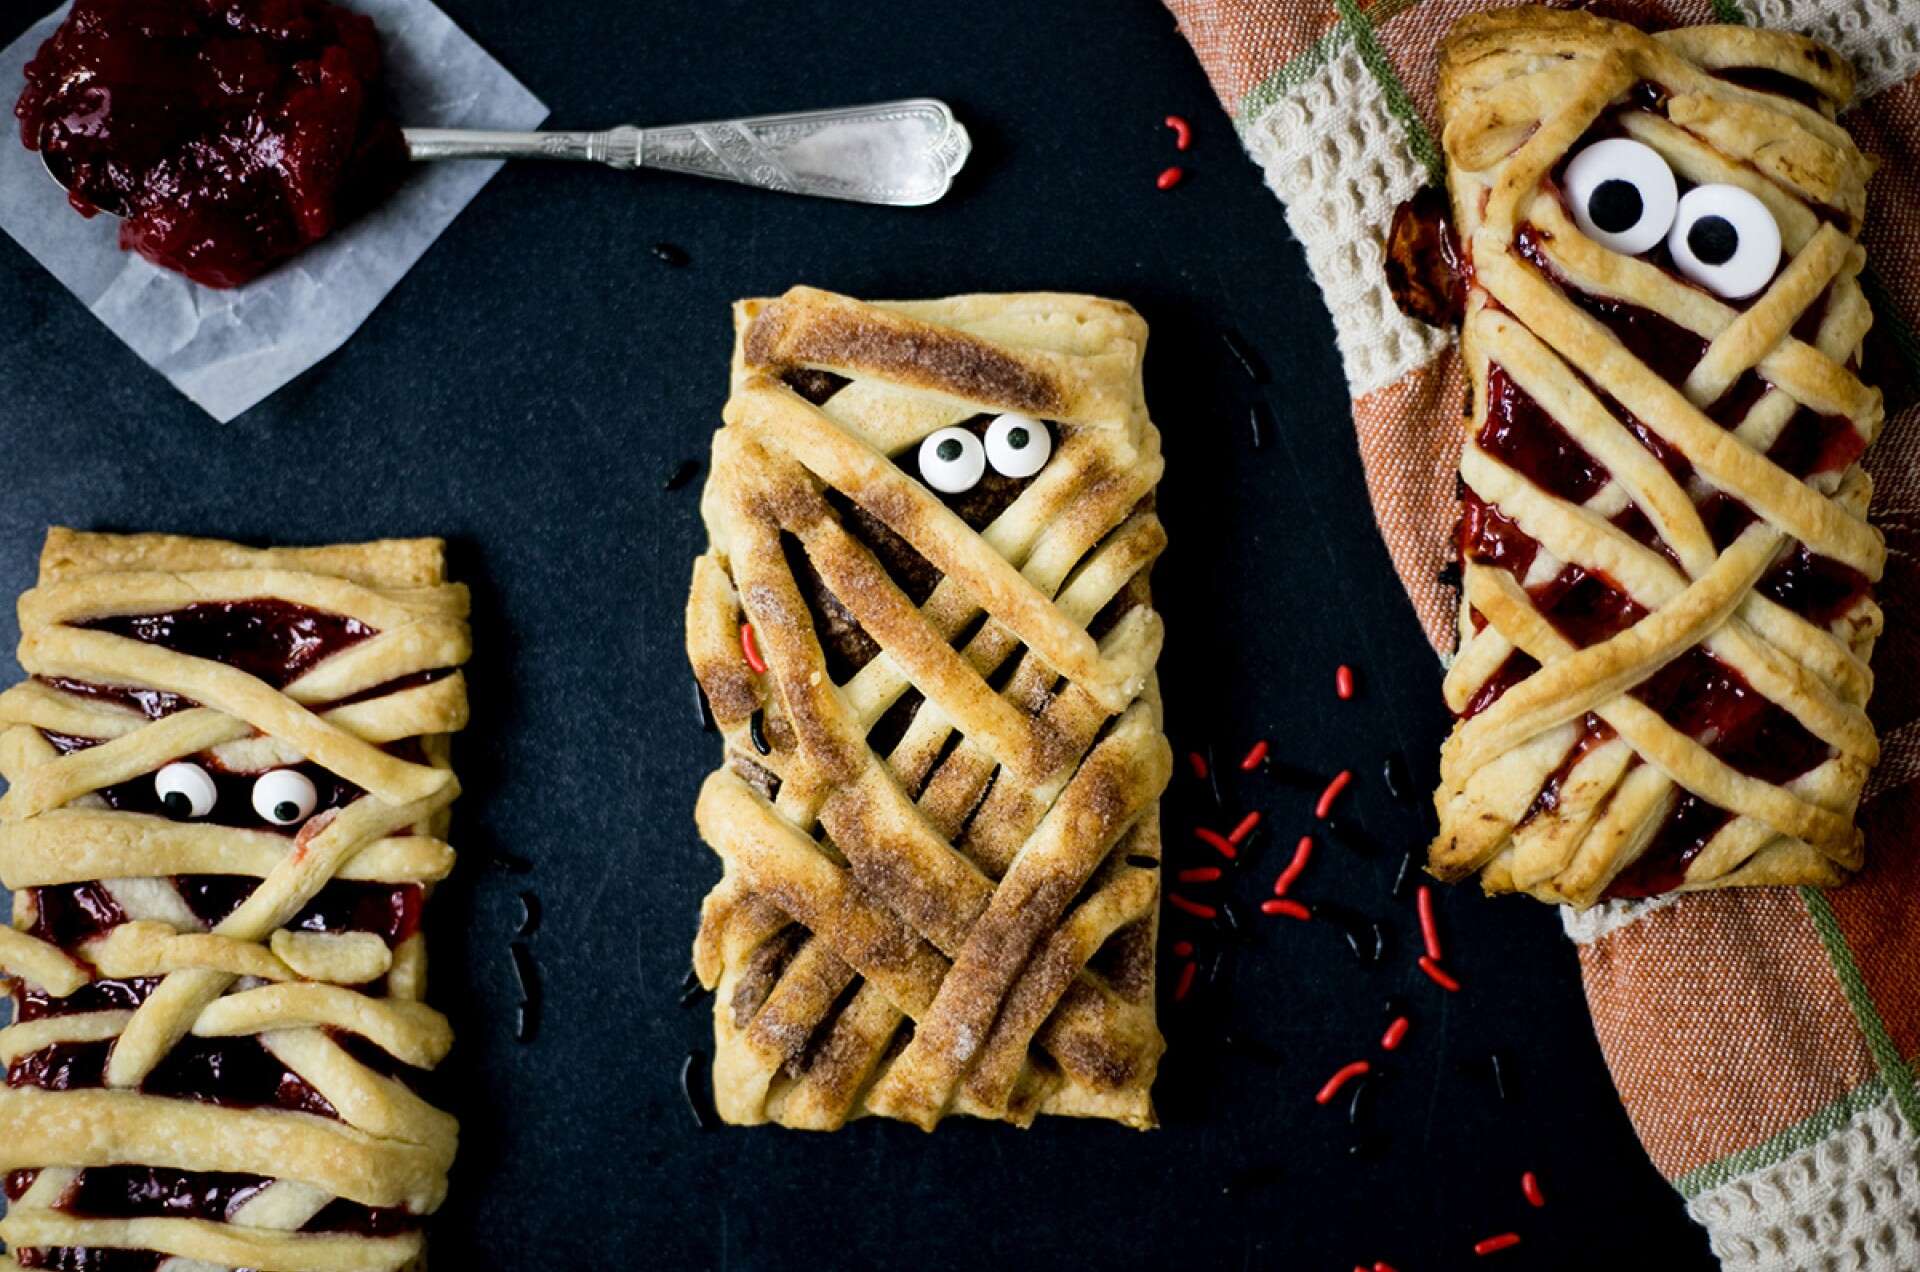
x=228, y=795
x=924, y=627
x=1667, y=567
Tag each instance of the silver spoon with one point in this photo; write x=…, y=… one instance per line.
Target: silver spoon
x=903, y=153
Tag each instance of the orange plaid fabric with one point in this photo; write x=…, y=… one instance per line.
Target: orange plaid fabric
x=1764, y=1041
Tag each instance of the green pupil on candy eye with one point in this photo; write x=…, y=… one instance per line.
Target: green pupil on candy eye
x=286, y=811
x=1018, y=438
x=948, y=450
x=177, y=803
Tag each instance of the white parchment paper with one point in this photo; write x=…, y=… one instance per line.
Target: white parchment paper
x=229, y=349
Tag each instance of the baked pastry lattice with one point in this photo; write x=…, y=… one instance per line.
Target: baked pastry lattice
x=938, y=814
x=228, y=794
x=1667, y=608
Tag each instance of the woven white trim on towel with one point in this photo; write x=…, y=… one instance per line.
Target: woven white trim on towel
x=1880, y=37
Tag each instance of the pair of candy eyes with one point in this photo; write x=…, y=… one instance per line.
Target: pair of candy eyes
x=1626, y=198
x=953, y=460
x=282, y=796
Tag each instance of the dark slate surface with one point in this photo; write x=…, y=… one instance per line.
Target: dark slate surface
x=527, y=390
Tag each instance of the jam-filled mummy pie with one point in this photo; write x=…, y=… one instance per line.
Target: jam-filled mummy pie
x=938, y=815
x=1667, y=568
x=228, y=795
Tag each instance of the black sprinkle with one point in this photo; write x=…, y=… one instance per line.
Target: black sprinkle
x=1251, y=1179
x=757, y=730
x=699, y=1102
x=672, y=254
x=1213, y=964
x=700, y=703
x=1395, y=1006
x=1358, y=1104
x=527, y=1023
x=1140, y=861
x=1499, y=1068
x=1251, y=1048
x=691, y=990
x=1449, y=574
x=1362, y=934
x=1230, y=919
x=1394, y=773
x=1401, y=875
x=529, y=914
x=1353, y=835
x=1379, y=939
x=681, y=475
x=1243, y=354
x=1213, y=778
x=1260, y=421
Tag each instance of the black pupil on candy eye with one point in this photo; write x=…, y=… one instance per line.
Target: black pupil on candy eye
x=948, y=450
x=1714, y=240
x=1615, y=206
x=1017, y=438
x=177, y=803
x=285, y=811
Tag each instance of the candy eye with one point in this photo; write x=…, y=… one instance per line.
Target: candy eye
x=185, y=790
x=1018, y=446
x=1623, y=195
x=952, y=461
x=1725, y=240
x=284, y=796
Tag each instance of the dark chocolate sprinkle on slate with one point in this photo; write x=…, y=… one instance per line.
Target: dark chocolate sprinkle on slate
x=1498, y=1065
x=1140, y=861
x=1243, y=354
x=1213, y=778
x=681, y=475
x=700, y=703
x=757, y=730
x=1260, y=423
x=691, y=990
x=527, y=1024
x=1394, y=773
x=1402, y=875
x=529, y=914
x=698, y=1093
x=1360, y=1101
x=1230, y=918
x=672, y=253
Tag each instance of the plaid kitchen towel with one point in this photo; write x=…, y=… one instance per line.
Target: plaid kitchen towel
x=1764, y=1041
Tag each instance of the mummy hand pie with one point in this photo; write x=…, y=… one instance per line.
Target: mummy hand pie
x=924, y=628
x=1667, y=568
x=228, y=794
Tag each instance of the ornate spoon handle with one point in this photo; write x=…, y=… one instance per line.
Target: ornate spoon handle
x=904, y=153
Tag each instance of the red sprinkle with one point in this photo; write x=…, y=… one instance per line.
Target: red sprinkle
x=1438, y=975
x=1200, y=874
x=1254, y=757
x=1429, y=930
x=1292, y=909
x=752, y=650
x=1395, y=1035
x=1302, y=853
x=1358, y=1069
x=1530, y=1185
x=1182, y=132
x=1185, y=986
x=1216, y=841
x=1192, y=907
x=1198, y=763
x=1384, y=1267
x=1170, y=178
x=1324, y=808
x=1494, y=1245
x=1239, y=833
x=1343, y=682
x=1183, y=949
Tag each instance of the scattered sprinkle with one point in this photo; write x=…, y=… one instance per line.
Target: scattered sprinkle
x=1216, y=841
x=1498, y=1065
x=1183, y=949
x=1200, y=874
x=1395, y=1035
x=529, y=914
x=672, y=254
x=1324, y=808
x=1530, y=1188
x=681, y=475
x=1260, y=422
x=700, y=702
x=1140, y=861
x=695, y=1104
x=1393, y=771
x=1187, y=972
x=757, y=730
x=1198, y=763
x=691, y=990
x=1230, y=918
x=1243, y=828
x=1346, y=1074
x=1182, y=132
x=1252, y=759
x=1494, y=1245
x=1343, y=682
x=1243, y=354
x=1170, y=177
x=1357, y=1106
x=1292, y=909
x=751, y=648
x=1302, y=853
x=1401, y=876
x=1429, y=929
x=1438, y=975
x=1213, y=779
x=1384, y=1267
x=1191, y=906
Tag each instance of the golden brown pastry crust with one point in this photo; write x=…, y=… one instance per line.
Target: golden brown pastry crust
x=895, y=930
x=1535, y=795
x=249, y=976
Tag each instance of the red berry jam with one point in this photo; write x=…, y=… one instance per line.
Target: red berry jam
x=230, y=134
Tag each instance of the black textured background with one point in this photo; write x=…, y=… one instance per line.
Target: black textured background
x=525, y=392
